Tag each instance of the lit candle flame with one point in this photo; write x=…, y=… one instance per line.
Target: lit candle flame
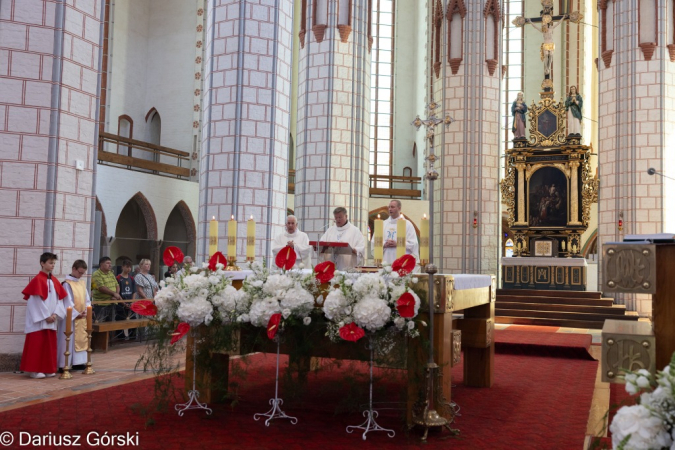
x=213, y=217
x=425, y=216
x=232, y=217
x=378, y=216
x=251, y=217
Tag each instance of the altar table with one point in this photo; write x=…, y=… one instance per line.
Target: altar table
x=472, y=295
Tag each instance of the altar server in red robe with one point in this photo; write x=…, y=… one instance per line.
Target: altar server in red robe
x=45, y=307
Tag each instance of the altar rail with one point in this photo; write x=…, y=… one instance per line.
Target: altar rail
x=392, y=186
x=118, y=150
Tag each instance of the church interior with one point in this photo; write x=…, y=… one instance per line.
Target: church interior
x=523, y=140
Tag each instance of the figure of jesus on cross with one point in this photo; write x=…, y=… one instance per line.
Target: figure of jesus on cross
x=549, y=22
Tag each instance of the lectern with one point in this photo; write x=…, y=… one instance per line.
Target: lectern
x=331, y=248
x=643, y=268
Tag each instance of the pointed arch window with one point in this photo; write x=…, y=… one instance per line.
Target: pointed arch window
x=455, y=17
x=381, y=87
x=438, y=30
x=125, y=129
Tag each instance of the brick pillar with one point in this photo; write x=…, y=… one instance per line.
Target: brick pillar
x=636, y=132
x=333, y=133
x=49, y=74
x=244, y=157
x=468, y=186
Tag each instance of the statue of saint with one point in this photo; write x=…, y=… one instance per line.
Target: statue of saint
x=573, y=105
x=548, y=46
x=518, y=110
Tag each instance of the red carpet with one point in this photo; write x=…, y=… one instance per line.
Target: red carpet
x=539, y=328
x=564, y=345
x=535, y=403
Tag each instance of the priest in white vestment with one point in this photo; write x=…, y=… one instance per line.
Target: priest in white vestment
x=77, y=298
x=390, y=235
x=292, y=237
x=344, y=231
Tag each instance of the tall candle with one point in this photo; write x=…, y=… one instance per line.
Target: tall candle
x=378, y=236
x=250, y=239
x=400, y=236
x=213, y=236
x=89, y=317
x=232, y=238
x=69, y=320
x=424, y=239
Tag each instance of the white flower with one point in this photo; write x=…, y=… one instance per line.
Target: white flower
x=298, y=300
x=214, y=280
x=646, y=431
x=399, y=322
x=162, y=284
x=415, y=279
x=286, y=313
x=642, y=382
x=631, y=388
x=334, y=303
x=257, y=283
x=370, y=284
x=194, y=311
x=411, y=325
x=307, y=320
x=205, y=265
x=261, y=311
x=220, y=266
x=301, y=266
x=371, y=312
x=194, y=269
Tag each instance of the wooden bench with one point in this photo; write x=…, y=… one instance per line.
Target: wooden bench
x=99, y=338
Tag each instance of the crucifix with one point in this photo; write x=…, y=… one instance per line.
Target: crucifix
x=549, y=22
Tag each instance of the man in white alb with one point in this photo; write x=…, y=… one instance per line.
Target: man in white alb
x=389, y=237
x=343, y=231
x=78, y=299
x=296, y=239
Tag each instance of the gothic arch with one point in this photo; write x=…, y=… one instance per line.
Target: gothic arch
x=104, y=226
x=455, y=17
x=190, y=228
x=492, y=13
x=151, y=112
x=590, y=245
x=148, y=214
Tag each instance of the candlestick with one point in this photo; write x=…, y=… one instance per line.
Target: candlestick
x=400, y=236
x=89, y=317
x=378, y=236
x=250, y=239
x=213, y=236
x=69, y=320
x=232, y=238
x=66, y=367
x=424, y=241
x=89, y=370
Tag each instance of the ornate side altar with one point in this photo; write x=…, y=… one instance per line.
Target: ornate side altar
x=544, y=273
x=548, y=188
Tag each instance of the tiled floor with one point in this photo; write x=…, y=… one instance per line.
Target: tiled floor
x=112, y=368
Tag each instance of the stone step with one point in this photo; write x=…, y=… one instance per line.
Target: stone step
x=544, y=293
x=567, y=323
x=590, y=309
x=564, y=315
x=607, y=302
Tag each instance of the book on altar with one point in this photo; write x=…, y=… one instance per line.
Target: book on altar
x=338, y=248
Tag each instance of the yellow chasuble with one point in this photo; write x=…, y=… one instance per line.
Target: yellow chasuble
x=80, y=300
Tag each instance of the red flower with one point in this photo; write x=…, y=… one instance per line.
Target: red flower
x=404, y=265
x=325, y=271
x=406, y=305
x=181, y=330
x=144, y=307
x=286, y=258
x=273, y=325
x=216, y=259
x=351, y=332
x=171, y=255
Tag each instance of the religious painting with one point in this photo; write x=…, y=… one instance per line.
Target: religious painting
x=548, y=198
x=547, y=123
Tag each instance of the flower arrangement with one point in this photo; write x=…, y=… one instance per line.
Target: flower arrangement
x=369, y=302
x=278, y=296
x=649, y=424
x=199, y=296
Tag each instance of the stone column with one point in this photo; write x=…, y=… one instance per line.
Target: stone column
x=49, y=87
x=636, y=129
x=470, y=152
x=244, y=154
x=333, y=144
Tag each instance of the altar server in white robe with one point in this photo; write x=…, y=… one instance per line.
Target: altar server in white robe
x=77, y=298
x=344, y=231
x=296, y=239
x=390, y=235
